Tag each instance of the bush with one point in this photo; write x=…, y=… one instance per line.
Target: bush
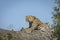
x=1, y=38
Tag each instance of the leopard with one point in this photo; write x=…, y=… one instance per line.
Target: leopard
x=34, y=23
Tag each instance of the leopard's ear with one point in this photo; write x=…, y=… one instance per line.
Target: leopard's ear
x=26, y=16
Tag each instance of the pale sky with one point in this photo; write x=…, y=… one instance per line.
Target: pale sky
x=14, y=12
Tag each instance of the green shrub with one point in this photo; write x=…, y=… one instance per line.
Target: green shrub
x=1, y=38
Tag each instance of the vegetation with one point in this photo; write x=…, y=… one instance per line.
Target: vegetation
x=1, y=38
x=56, y=20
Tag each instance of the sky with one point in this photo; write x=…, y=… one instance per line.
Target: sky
x=15, y=11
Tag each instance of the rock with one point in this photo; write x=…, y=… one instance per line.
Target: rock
x=22, y=35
